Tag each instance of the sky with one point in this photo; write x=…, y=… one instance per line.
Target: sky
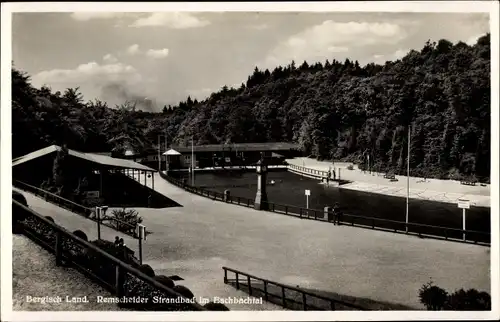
x=166, y=56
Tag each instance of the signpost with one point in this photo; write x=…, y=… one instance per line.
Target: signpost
x=308, y=193
x=463, y=204
x=98, y=216
x=141, y=233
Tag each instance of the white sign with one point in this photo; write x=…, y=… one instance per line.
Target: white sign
x=141, y=231
x=308, y=192
x=464, y=204
x=92, y=194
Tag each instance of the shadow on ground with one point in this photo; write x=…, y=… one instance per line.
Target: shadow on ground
x=294, y=299
x=123, y=191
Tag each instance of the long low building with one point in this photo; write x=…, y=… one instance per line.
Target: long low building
x=219, y=154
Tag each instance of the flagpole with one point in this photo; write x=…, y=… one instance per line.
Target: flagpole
x=166, y=155
x=408, y=178
x=192, y=161
x=159, y=153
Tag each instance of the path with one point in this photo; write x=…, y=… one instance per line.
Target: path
x=204, y=235
x=432, y=189
x=35, y=274
x=160, y=251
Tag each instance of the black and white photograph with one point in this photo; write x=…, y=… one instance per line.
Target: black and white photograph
x=307, y=161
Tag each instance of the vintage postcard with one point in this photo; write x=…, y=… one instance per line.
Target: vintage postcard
x=250, y=161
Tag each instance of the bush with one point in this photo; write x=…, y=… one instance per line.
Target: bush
x=165, y=281
x=123, y=253
x=211, y=306
x=471, y=300
x=19, y=197
x=435, y=298
x=127, y=220
x=80, y=234
x=432, y=297
x=148, y=270
x=350, y=167
x=182, y=290
x=18, y=215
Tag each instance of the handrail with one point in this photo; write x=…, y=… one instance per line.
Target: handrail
x=54, y=195
x=86, y=210
x=287, y=287
x=117, y=262
x=308, y=170
x=302, y=213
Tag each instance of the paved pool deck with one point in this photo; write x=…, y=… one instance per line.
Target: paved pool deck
x=448, y=191
x=196, y=240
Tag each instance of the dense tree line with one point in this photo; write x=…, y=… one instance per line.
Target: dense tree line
x=334, y=110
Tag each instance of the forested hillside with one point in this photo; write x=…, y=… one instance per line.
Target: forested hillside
x=333, y=110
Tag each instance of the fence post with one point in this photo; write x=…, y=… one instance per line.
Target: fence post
x=265, y=291
x=225, y=276
x=119, y=279
x=58, y=248
x=237, y=281
x=332, y=305
x=300, y=212
x=286, y=210
x=304, y=301
x=249, y=286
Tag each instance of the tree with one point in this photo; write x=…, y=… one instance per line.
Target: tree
x=60, y=170
x=336, y=111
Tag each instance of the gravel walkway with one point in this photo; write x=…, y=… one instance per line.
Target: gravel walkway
x=34, y=274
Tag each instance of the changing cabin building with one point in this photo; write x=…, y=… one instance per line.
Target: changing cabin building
x=218, y=155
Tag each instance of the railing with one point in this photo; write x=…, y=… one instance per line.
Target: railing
x=78, y=209
x=416, y=229
x=207, y=193
x=288, y=297
x=116, y=276
x=314, y=172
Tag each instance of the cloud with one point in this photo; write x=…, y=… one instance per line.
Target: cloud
x=262, y=26
x=175, y=20
x=382, y=58
x=199, y=93
x=333, y=49
x=110, y=58
x=473, y=40
x=157, y=53
x=400, y=53
x=86, y=16
x=317, y=43
x=90, y=73
x=133, y=50
x=116, y=93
